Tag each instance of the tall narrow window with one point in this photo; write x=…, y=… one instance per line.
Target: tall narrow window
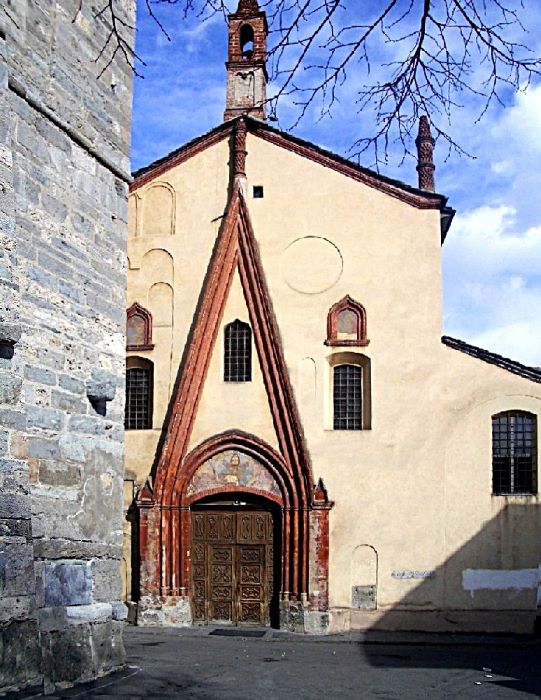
x=514, y=453
x=238, y=352
x=347, y=397
x=139, y=380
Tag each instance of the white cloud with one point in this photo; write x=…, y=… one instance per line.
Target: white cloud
x=492, y=283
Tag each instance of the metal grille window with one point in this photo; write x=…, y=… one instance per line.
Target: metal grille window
x=238, y=352
x=347, y=401
x=514, y=453
x=138, y=399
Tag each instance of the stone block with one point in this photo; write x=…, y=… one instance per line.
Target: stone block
x=316, y=622
x=67, y=654
x=4, y=441
x=76, y=448
x=9, y=418
x=291, y=616
x=16, y=568
x=59, y=548
x=177, y=612
x=14, y=506
x=20, y=655
x=15, y=607
x=18, y=445
x=71, y=384
x=101, y=385
x=43, y=448
x=56, y=473
x=67, y=402
x=45, y=418
x=10, y=332
x=86, y=424
x=363, y=597
x=67, y=584
x=40, y=375
x=10, y=388
x=15, y=527
x=106, y=579
x=119, y=610
x=96, y=612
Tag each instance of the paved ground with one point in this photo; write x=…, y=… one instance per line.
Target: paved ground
x=168, y=663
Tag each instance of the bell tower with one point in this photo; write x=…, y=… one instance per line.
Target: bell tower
x=246, y=61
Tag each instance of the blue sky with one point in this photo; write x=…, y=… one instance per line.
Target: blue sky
x=492, y=257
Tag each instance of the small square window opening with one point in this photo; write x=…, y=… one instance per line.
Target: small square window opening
x=258, y=192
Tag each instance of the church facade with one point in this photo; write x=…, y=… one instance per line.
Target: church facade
x=303, y=447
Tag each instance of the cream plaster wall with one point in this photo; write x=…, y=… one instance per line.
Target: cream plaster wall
x=417, y=486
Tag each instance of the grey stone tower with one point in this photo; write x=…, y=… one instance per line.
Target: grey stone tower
x=246, y=62
x=64, y=174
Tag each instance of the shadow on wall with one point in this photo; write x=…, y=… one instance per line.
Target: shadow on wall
x=490, y=584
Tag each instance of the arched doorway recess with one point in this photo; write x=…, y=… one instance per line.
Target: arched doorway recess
x=233, y=466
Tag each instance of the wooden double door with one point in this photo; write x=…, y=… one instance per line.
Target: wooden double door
x=232, y=566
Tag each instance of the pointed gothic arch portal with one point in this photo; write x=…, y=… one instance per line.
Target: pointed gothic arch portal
x=233, y=472
x=282, y=476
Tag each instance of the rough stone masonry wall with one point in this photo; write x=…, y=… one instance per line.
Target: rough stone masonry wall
x=64, y=139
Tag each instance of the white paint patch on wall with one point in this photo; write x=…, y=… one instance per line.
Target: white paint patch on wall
x=499, y=579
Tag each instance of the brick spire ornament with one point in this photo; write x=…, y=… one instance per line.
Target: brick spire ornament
x=425, y=155
x=246, y=61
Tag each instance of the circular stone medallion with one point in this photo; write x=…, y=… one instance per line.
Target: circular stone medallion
x=312, y=265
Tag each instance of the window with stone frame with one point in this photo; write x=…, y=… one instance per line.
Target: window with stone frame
x=139, y=394
x=138, y=328
x=514, y=453
x=347, y=397
x=350, y=400
x=346, y=324
x=238, y=352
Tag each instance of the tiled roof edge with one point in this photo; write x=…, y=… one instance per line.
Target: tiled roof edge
x=531, y=373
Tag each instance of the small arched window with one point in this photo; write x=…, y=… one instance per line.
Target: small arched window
x=237, y=352
x=514, y=453
x=346, y=324
x=247, y=42
x=139, y=394
x=138, y=328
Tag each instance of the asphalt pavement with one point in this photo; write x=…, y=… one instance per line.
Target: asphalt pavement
x=227, y=664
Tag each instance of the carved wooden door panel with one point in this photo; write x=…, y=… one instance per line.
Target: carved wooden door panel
x=232, y=566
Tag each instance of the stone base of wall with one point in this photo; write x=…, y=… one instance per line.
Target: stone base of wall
x=443, y=621
x=81, y=652
x=297, y=617
x=166, y=611
x=20, y=655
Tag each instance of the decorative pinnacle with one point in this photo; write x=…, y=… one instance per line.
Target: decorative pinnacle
x=239, y=151
x=425, y=155
x=247, y=7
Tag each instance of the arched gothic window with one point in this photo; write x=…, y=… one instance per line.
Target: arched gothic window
x=346, y=324
x=514, y=453
x=237, y=352
x=138, y=328
x=139, y=394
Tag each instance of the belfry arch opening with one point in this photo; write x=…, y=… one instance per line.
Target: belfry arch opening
x=247, y=42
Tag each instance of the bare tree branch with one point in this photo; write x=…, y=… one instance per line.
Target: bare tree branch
x=416, y=57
